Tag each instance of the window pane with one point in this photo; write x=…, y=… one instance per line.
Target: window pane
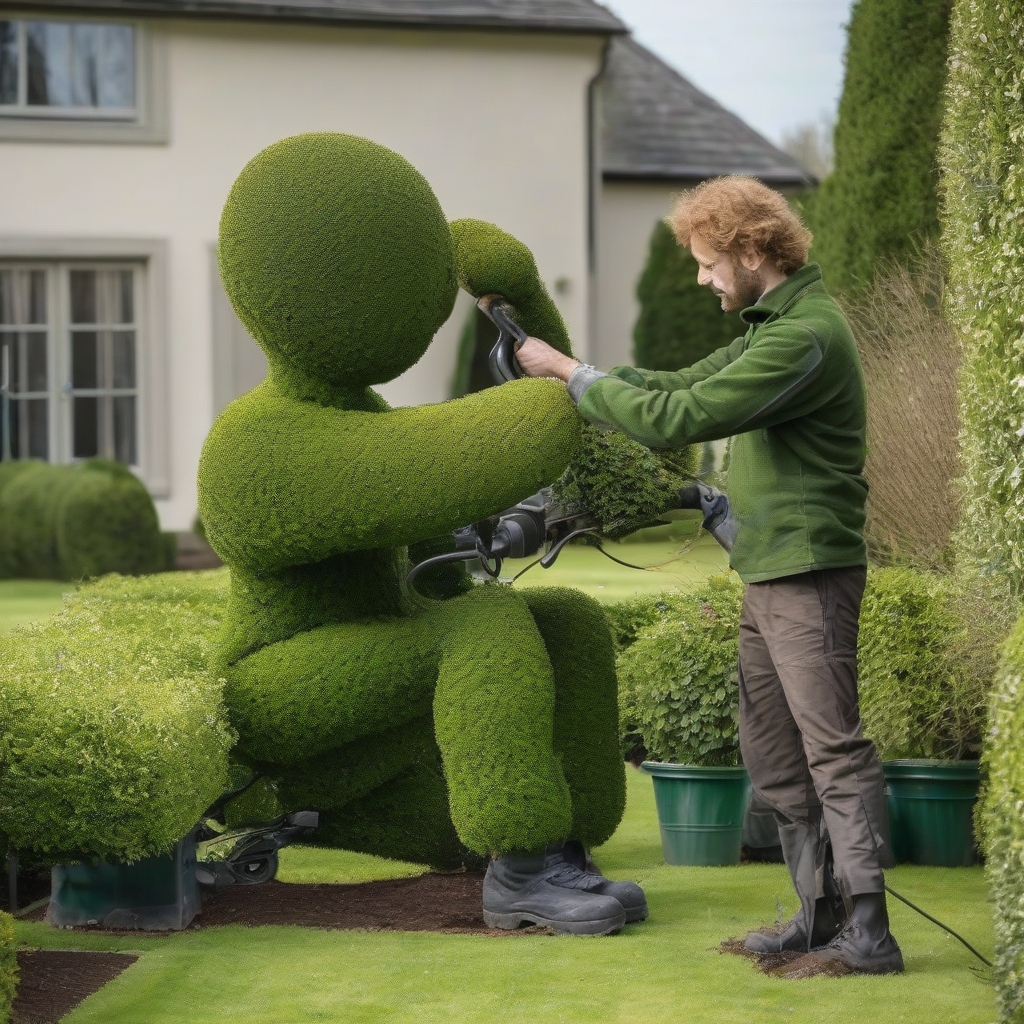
x=34, y=439
x=83, y=296
x=8, y=62
x=9, y=362
x=36, y=297
x=85, y=442
x=22, y=296
x=35, y=362
x=104, y=65
x=49, y=64
x=125, y=297
x=84, y=360
x=124, y=429
x=124, y=359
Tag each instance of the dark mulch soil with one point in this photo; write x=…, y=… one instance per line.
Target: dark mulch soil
x=426, y=903
x=53, y=982
x=792, y=965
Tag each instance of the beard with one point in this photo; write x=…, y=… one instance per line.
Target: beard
x=747, y=289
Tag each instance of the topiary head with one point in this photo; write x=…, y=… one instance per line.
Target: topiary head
x=337, y=258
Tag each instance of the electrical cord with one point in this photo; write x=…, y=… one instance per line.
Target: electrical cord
x=934, y=920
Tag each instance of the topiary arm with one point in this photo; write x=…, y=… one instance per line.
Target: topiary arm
x=490, y=261
x=289, y=483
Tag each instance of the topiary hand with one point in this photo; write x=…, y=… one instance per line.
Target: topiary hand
x=490, y=261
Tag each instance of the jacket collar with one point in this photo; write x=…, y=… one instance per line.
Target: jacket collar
x=777, y=301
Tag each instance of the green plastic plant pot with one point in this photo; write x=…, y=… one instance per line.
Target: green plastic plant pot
x=700, y=811
x=931, y=810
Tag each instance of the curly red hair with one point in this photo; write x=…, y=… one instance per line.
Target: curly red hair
x=738, y=211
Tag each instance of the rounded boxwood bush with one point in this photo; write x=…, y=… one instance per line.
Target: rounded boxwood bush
x=678, y=680
x=78, y=521
x=113, y=736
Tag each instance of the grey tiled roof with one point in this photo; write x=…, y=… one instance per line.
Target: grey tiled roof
x=659, y=125
x=544, y=15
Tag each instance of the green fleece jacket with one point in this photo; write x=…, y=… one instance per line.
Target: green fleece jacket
x=790, y=393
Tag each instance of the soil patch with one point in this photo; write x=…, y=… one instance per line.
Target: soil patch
x=53, y=982
x=425, y=903
x=792, y=965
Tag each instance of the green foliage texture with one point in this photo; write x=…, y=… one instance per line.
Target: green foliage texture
x=881, y=198
x=983, y=239
x=423, y=729
x=113, y=735
x=680, y=322
x=621, y=484
x=8, y=966
x=678, y=679
x=77, y=521
x=926, y=655
x=1004, y=825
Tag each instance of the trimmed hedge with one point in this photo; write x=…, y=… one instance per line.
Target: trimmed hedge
x=678, y=679
x=680, y=322
x=881, y=198
x=621, y=484
x=1004, y=825
x=345, y=689
x=926, y=653
x=113, y=737
x=8, y=966
x=983, y=239
x=78, y=521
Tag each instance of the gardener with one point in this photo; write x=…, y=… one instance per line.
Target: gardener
x=790, y=393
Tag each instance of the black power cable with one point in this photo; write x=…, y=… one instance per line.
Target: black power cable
x=934, y=920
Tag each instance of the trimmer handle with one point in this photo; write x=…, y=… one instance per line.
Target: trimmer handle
x=502, y=360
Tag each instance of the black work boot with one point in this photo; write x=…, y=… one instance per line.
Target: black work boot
x=583, y=873
x=523, y=889
x=865, y=943
x=793, y=934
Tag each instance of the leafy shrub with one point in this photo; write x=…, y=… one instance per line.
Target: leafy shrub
x=8, y=966
x=678, y=680
x=983, y=238
x=911, y=356
x=680, y=322
x=77, y=521
x=926, y=655
x=112, y=731
x=1004, y=825
x=881, y=197
x=622, y=484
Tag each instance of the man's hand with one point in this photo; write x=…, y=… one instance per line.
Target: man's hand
x=539, y=359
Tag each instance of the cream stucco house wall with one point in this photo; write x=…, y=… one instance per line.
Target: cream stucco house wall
x=124, y=122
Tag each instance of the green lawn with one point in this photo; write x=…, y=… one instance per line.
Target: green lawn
x=24, y=601
x=667, y=969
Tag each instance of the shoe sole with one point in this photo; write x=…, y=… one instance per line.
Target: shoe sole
x=637, y=914
x=509, y=922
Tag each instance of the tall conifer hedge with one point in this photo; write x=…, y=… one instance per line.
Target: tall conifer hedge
x=680, y=322
x=881, y=197
x=983, y=239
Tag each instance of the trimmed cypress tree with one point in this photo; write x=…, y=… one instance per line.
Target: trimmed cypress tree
x=680, y=322
x=880, y=201
x=983, y=238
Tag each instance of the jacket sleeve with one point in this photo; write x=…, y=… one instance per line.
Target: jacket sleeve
x=767, y=384
x=676, y=380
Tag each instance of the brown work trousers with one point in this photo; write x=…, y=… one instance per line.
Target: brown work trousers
x=800, y=728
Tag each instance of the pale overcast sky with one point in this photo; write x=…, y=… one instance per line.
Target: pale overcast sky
x=775, y=63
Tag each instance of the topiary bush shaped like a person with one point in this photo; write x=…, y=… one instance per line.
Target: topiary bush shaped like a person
x=421, y=729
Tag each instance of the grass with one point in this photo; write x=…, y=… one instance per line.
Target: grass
x=25, y=601
x=665, y=970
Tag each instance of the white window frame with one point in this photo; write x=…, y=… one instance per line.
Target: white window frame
x=150, y=257
x=146, y=123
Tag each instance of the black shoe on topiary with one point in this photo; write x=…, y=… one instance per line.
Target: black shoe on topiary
x=792, y=936
x=522, y=890
x=586, y=875
x=865, y=944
